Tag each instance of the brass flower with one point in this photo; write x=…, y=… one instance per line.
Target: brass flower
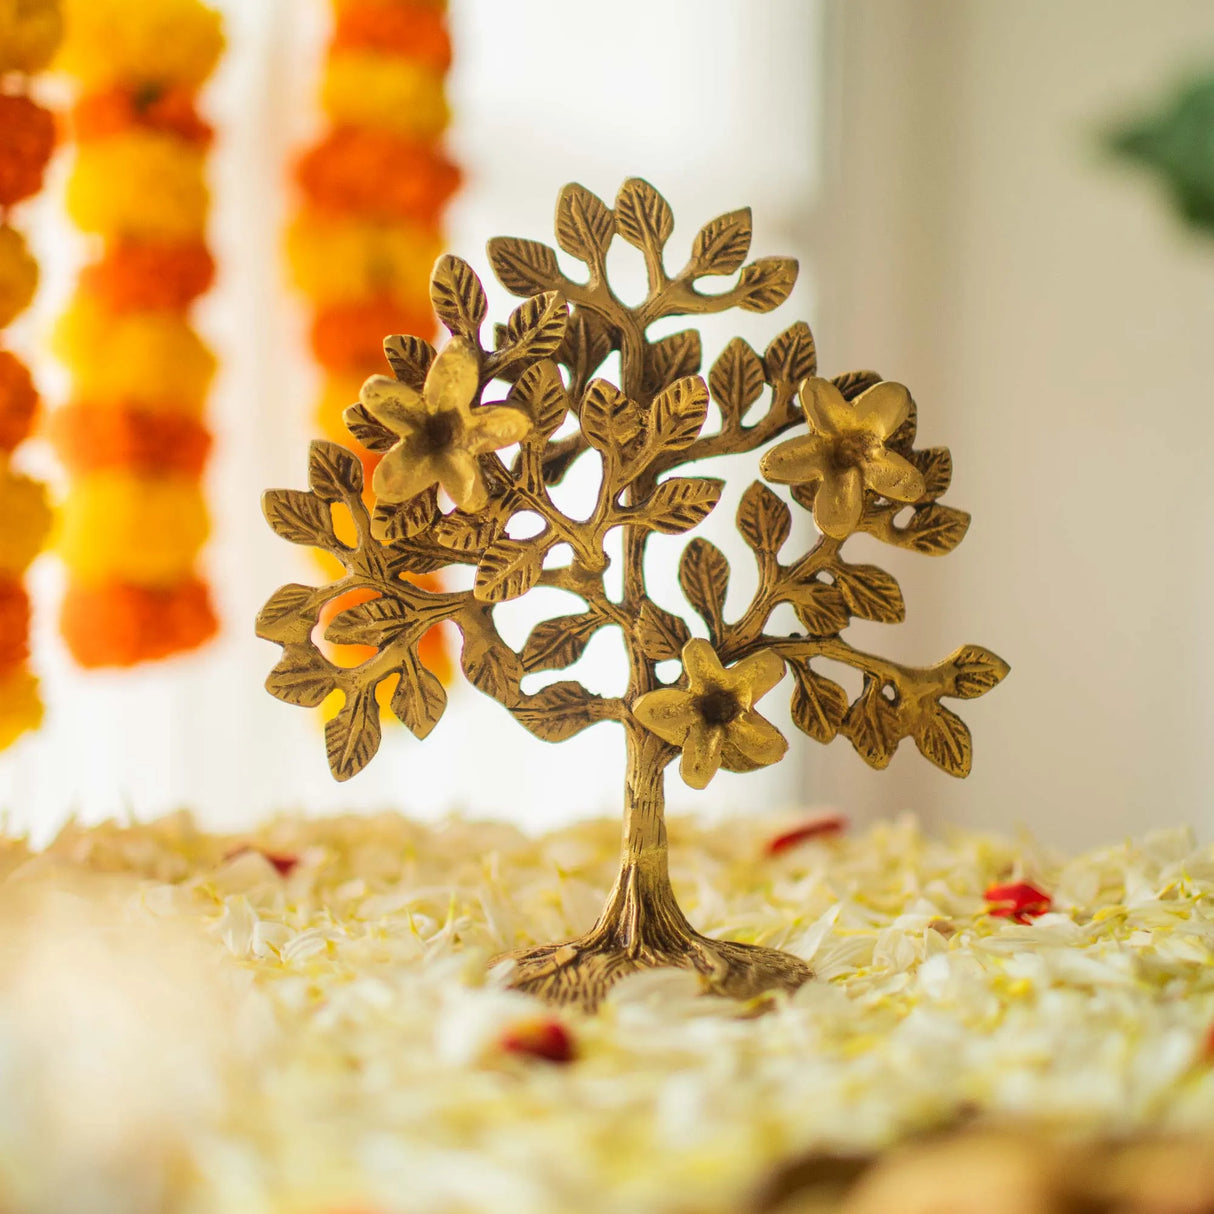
x=847, y=453
x=713, y=720
x=441, y=434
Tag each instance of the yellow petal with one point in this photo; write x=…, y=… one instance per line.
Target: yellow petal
x=454, y=377
x=400, y=476
x=882, y=408
x=494, y=428
x=757, y=738
x=838, y=503
x=460, y=475
x=888, y=474
x=797, y=461
x=702, y=665
x=668, y=712
x=701, y=754
x=753, y=677
x=392, y=403
x=825, y=409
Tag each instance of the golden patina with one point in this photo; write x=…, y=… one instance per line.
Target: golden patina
x=712, y=720
x=856, y=467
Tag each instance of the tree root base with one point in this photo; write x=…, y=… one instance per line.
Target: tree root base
x=579, y=973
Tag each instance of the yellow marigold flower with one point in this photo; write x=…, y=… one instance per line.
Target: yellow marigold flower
x=121, y=527
x=29, y=34
x=25, y=520
x=18, y=275
x=20, y=705
x=342, y=260
x=139, y=184
x=139, y=42
x=713, y=720
x=152, y=360
x=385, y=92
x=846, y=451
x=441, y=434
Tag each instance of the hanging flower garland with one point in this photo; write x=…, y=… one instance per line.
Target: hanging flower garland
x=29, y=35
x=374, y=187
x=132, y=435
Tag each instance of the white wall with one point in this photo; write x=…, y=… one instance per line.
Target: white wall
x=1054, y=323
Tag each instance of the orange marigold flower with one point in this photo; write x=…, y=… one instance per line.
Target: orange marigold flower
x=27, y=138
x=146, y=276
x=119, y=109
x=14, y=623
x=413, y=31
x=18, y=401
x=377, y=173
x=351, y=336
x=90, y=439
x=119, y=624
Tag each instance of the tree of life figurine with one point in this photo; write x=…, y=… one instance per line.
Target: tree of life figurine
x=851, y=460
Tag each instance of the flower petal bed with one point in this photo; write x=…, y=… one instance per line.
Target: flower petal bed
x=301, y=1020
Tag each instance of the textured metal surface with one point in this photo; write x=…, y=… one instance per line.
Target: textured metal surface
x=442, y=420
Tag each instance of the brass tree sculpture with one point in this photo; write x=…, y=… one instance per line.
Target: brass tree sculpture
x=852, y=462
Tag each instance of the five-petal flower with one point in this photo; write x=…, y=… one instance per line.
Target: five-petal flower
x=441, y=435
x=846, y=452
x=712, y=720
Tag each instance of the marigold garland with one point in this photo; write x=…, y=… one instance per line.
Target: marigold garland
x=132, y=434
x=374, y=187
x=29, y=34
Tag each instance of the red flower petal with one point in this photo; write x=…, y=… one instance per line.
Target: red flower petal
x=284, y=864
x=547, y=1039
x=828, y=824
x=1018, y=901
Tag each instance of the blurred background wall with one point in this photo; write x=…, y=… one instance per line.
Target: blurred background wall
x=937, y=167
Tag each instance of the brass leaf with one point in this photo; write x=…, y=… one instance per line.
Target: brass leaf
x=491, y=667
x=419, y=699
x=870, y=593
x=721, y=245
x=559, y=642
x=933, y=530
x=301, y=676
x=558, y=712
x=289, y=614
x=767, y=283
x=584, y=223
x=852, y=383
x=977, y=671
x=736, y=380
x=333, y=472
x=660, y=634
x=300, y=518
x=352, y=736
x=822, y=609
x=377, y=622
x=392, y=522
x=871, y=725
x=524, y=267
x=944, y=739
x=540, y=393
x=609, y=420
x=792, y=356
x=508, y=568
x=464, y=533
x=409, y=357
x=366, y=430
x=936, y=464
x=589, y=339
x=642, y=216
x=678, y=414
x=764, y=520
x=818, y=704
x=458, y=297
x=704, y=578
x=536, y=327
x=680, y=503
x=670, y=358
